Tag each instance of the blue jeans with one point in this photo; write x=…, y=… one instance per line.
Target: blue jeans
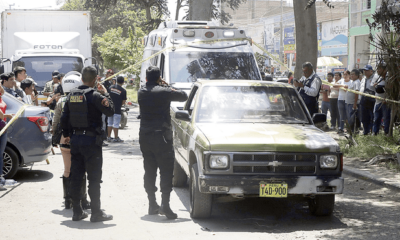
x=381, y=111
x=350, y=111
x=342, y=113
x=367, y=117
x=325, y=107
x=3, y=143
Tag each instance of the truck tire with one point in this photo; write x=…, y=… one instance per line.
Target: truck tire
x=200, y=203
x=322, y=205
x=10, y=162
x=180, y=177
x=124, y=119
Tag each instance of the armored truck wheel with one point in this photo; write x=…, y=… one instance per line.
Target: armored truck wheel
x=200, y=203
x=322, y=205
x=180, y=177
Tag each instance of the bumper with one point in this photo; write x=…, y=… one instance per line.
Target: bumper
x=251, y=185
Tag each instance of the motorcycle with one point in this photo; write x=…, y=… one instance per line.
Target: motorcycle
x=124, y=117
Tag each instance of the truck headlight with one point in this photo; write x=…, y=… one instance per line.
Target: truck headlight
x=219, y=161
x=328, y=161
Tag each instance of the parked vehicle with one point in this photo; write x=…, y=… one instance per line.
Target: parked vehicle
x=181, y=66
x=253, y=139
x=28, y=139
x=44, y=41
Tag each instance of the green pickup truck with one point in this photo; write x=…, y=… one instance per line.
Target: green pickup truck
x=253, y=139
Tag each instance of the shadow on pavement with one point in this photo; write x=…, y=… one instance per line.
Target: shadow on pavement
x=9, y=189
x=163, y=219
x=86, y=224
x=262, y=215
x=27, y=175
x=67, y=213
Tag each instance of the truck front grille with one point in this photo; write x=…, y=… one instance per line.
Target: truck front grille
x=271, y=164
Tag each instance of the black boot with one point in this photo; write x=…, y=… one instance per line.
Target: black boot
x=84, y=202
x=100, y=217
x=165, y=209
x=67, y=195
x=153, y=206
x=79, y=214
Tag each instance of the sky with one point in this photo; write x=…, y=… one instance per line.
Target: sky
x=30, y=4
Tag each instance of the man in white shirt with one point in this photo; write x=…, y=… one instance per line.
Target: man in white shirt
x=309, y=86
x=27, y=86
x=352, y=99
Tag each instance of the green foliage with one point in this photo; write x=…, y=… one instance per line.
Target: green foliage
x=387, y=20
x=370, y=146
x=120, y=52
x=114, y=44
x=131, y=94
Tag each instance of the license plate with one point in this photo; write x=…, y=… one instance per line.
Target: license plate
x=275, y=190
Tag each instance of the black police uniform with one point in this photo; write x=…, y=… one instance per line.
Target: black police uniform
x=82, y=121
x=155, y=136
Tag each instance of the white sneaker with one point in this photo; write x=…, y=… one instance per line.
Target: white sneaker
x=118, y=140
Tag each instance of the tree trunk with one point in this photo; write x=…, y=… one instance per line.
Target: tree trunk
x=148, y=13
x=392, y=118
x=306, y=36
x=200, y=10
x=178, y=7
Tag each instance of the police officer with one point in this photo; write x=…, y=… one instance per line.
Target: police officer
x=81, y=124
x=309, y=86
x=155, y=138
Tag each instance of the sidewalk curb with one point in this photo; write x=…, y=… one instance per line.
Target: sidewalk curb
x=366, y=175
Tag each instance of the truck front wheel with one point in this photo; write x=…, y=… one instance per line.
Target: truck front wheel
x=322, y=205
x=200, y=203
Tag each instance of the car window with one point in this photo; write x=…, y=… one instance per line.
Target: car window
x=250, y=104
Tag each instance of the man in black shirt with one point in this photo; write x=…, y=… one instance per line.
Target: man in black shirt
x=118, y=96
x=155, y=138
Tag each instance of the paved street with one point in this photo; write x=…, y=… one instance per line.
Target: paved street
x=34, y=208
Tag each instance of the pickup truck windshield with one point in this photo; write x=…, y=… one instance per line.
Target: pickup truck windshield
x=189, y=66
x=249, y=104
x=40, y=68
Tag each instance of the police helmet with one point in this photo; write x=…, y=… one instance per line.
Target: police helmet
x=71, y=81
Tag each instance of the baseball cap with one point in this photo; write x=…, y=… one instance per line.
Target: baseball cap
x=368, y=67
x=110, y=71
x=55, y=73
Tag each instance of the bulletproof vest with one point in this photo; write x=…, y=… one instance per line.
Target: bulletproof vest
x=309, y=100
x=78, y=108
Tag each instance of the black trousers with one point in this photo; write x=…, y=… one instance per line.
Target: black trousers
x=86, y=157
x=334, y=112
x=158, y=153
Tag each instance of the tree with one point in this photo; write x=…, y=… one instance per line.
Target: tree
x=123, y=14
x=387, y=20
x=206, y=10
x=154, y=9
x=306, y=35
x=120, y=52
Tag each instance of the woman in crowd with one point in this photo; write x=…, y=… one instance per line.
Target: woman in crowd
x=345, y=83
x=69, y=82
x=3, y=137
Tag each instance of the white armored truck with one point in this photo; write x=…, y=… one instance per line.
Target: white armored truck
x=226, y=56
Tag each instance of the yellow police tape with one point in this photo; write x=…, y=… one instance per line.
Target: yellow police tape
x=240, y=39
x=326, y=82
x=15, y=117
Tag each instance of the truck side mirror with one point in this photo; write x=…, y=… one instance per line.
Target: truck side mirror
x=319, y=118
x=183, y=115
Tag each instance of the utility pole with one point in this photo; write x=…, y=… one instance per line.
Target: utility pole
x=11, y=5
x=281, y=51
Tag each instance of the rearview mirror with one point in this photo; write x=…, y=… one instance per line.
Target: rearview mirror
x=183, y=115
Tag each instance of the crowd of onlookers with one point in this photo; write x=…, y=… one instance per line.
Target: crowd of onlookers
x=354, y=108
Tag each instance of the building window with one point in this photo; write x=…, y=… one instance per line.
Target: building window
x=360, y=11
